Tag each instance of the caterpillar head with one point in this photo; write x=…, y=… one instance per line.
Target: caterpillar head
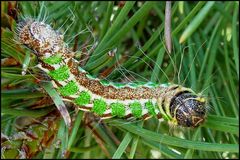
x=40, y=37
x=188, y=109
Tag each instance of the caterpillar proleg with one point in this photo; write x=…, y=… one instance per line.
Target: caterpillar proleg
x=175, y=103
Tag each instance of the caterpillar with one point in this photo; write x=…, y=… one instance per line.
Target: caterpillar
x=174, y=103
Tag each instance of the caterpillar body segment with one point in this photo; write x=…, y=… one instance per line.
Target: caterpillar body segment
x=174, y=103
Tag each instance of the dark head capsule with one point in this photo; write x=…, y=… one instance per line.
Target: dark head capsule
x=188, y=109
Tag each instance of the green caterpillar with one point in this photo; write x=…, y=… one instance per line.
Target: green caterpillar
x=174, y=103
